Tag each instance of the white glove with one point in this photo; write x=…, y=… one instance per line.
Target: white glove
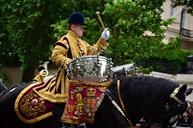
x=105, y=34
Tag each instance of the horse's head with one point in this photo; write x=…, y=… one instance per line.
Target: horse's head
x=174, y=106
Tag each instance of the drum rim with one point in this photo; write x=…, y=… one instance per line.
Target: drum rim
x=90, y=56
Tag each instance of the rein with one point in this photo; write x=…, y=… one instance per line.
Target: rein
x=119, y=95
x=121, y=109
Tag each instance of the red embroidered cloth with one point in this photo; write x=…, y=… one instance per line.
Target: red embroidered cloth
x=83, y=101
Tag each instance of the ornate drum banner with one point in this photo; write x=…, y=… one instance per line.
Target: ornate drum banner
x=83, y=101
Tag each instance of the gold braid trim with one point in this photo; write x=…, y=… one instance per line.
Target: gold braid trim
x=16, y=107
x=49, y=91
x=54, y=98
x=73, y=46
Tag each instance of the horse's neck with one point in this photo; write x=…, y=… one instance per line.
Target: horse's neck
x=140, y=97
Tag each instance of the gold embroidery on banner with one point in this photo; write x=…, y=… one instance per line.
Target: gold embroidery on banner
x=83, y=101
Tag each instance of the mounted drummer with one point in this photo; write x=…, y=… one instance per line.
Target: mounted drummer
x=68, y=47
x=72, y=46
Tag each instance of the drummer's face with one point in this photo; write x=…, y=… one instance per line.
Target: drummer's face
x=78, y=29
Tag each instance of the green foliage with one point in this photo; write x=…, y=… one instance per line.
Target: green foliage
x=131, y=19
x=29, y=28
x=171, y=59
x=59, y=28
x=26, y=30
x=7, y=48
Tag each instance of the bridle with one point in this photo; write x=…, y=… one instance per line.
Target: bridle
x=173, y=95
x=175, y=98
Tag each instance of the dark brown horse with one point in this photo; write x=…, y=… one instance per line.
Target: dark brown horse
x=154, y=100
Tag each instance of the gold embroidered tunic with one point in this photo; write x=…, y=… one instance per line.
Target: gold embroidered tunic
x=68, y=47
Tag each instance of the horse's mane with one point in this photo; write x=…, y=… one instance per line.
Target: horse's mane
x=148, y=84
x=145, y=85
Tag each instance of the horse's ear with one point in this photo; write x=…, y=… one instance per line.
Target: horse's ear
x=189, y=91
x=183, y=88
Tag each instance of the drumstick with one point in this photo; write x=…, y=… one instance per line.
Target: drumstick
x=100, y=19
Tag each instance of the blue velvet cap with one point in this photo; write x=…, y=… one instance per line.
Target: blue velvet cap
x=76, y=18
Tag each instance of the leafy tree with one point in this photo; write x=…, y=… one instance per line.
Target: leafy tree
x=131, y=19
x=7, y=49
x=26, y=31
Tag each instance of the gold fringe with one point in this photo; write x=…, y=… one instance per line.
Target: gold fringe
x=76, y=121
x=54, y=98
